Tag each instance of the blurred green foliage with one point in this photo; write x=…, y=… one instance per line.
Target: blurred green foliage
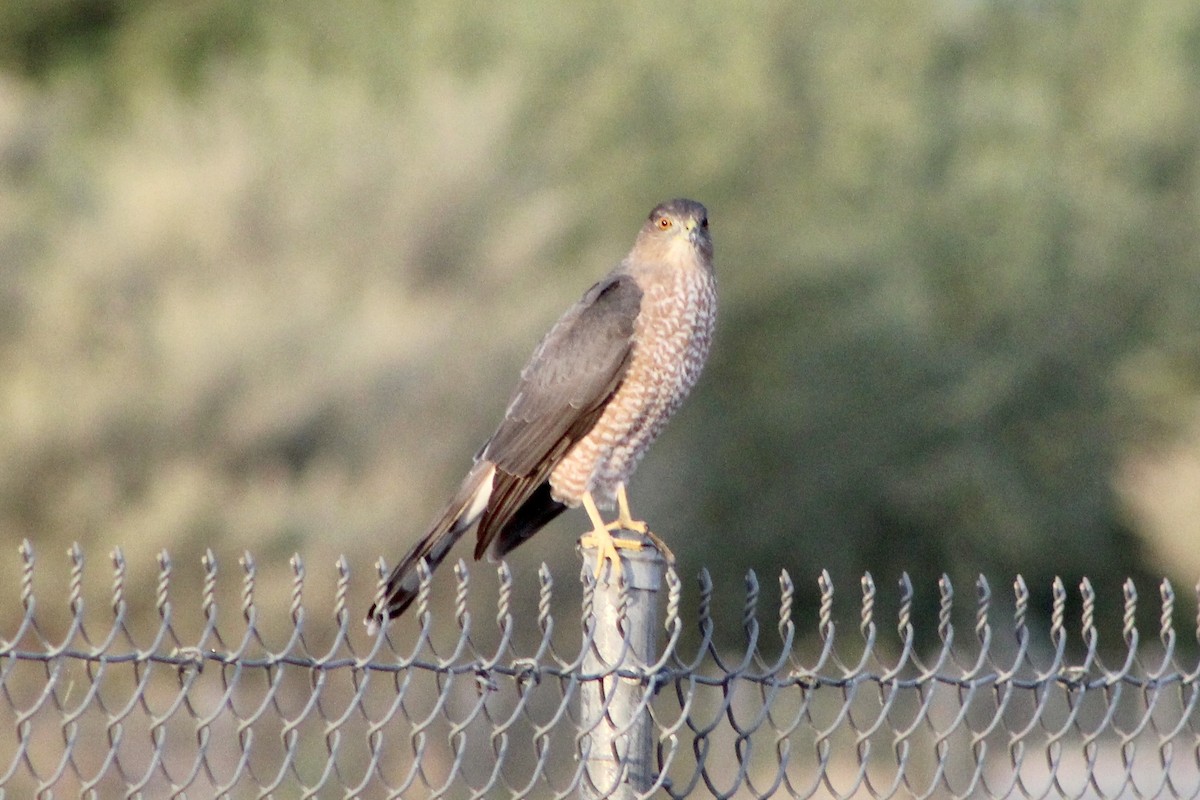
x=269, y=270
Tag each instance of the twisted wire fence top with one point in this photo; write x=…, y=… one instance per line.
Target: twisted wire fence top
x=180, y=699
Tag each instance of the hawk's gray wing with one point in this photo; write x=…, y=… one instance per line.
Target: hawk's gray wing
x=563, y=390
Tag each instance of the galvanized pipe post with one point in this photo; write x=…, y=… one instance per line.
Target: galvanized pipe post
x=614, y=713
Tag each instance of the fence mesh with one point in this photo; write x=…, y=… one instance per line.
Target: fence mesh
x=284, y=701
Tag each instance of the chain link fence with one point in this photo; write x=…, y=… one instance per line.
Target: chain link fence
x=627, y=698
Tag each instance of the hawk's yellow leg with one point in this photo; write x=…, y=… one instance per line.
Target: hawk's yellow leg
x=603, y=541
x=626, y=522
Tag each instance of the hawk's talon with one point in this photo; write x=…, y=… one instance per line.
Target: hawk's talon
x=635, y=525
x=606, y=546
x=661, y=546
x=625, y=520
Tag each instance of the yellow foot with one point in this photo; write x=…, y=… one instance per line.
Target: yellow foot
x=607, y=546
x=635, y=525
x=626, y=522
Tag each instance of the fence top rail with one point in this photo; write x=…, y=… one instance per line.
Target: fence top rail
x=1031, y=655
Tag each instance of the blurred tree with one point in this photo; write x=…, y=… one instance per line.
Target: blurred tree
x=256, y=307
x=120, y=43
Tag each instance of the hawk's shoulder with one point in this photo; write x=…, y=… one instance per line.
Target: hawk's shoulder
x=571, y=375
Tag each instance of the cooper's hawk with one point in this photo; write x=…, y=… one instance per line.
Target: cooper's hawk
x=598, y=390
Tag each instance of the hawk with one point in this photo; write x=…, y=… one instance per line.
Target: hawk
x=595, y=394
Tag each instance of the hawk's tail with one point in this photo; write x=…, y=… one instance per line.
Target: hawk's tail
x=461, y=513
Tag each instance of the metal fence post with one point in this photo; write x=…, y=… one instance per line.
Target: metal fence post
x=614, y=715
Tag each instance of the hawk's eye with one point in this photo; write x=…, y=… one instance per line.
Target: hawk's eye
x=704, y=222
x=664, y=223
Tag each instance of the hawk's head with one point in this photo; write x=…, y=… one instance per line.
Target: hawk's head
x=676, y=230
